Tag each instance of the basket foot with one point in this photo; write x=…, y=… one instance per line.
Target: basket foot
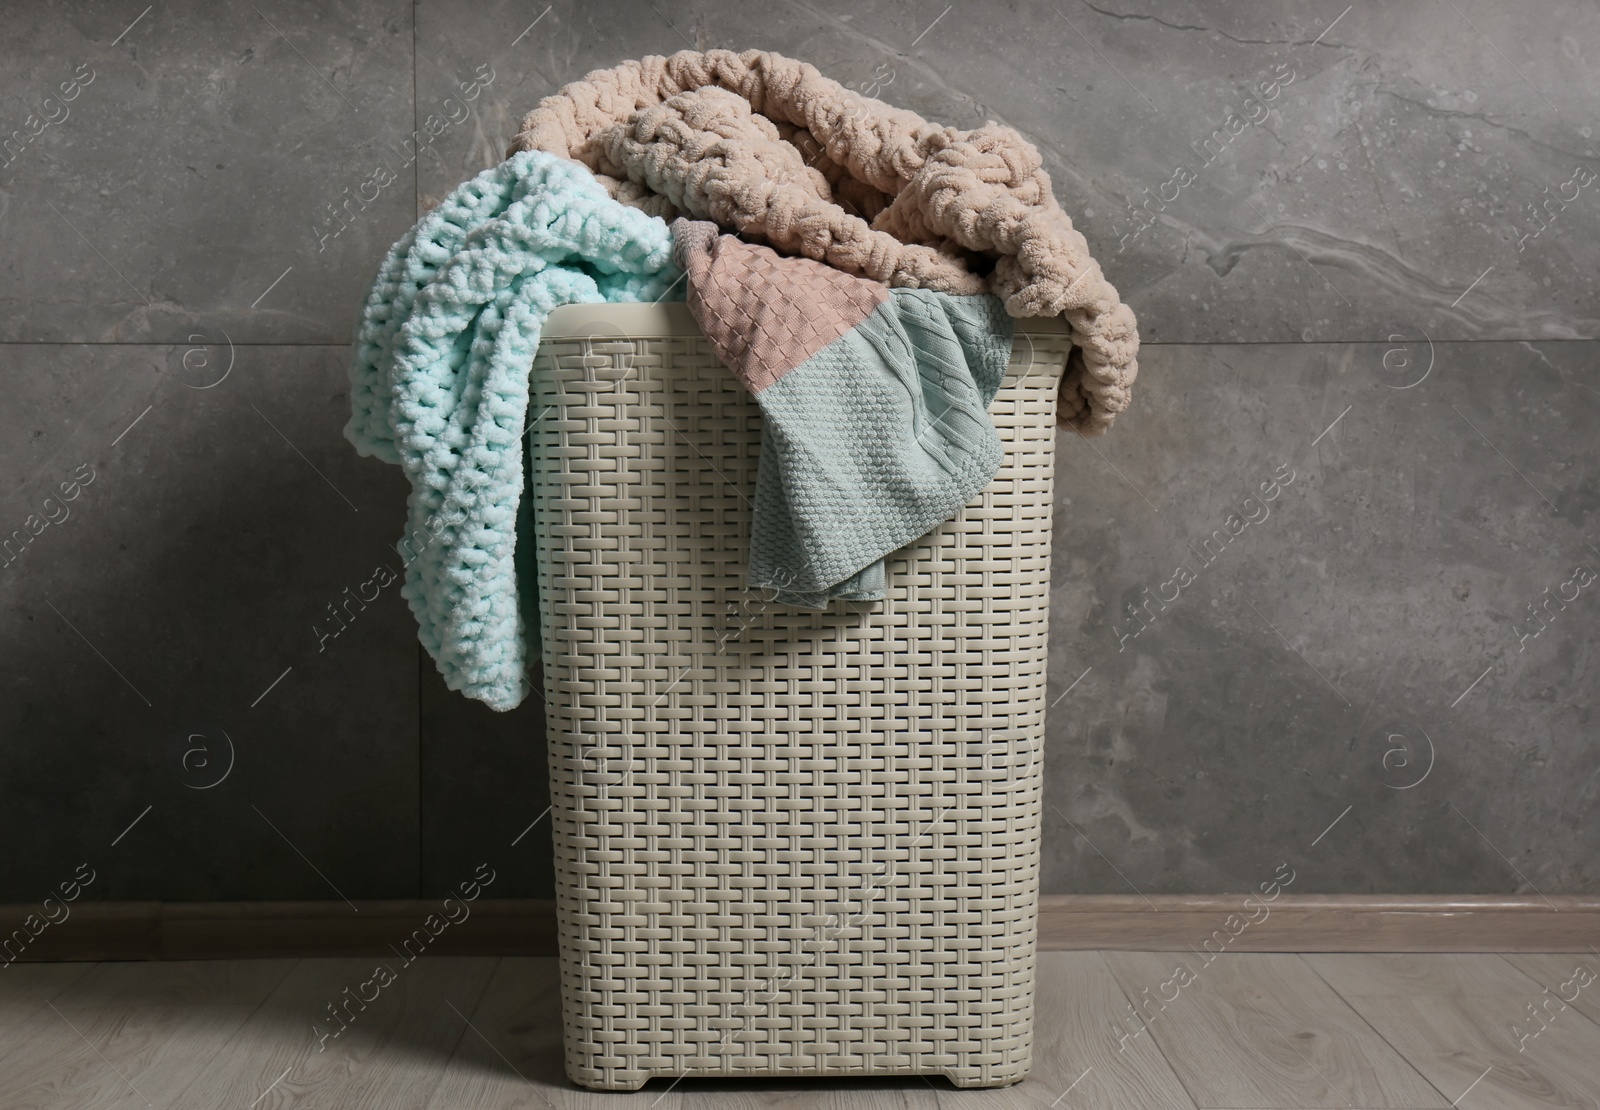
x=975, y=1080
x=613, y=1081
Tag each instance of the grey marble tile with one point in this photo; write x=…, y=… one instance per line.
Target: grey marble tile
x=1251, y=172
x=217, y=172
x=1384, y=187
x=174, y=715
x=485, y=791
x=480, y=67
x=1353, y=647
x=514, y=54
x=1242, y=171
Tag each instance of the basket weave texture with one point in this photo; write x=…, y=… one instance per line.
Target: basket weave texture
x=787, y=842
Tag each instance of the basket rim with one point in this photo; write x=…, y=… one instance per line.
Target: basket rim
x=670, y=319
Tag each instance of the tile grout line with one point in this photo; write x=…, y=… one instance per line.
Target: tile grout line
x=416, y=203
x=416, y=164
x=422, y=863
x=1143, y=343
x=343, y=345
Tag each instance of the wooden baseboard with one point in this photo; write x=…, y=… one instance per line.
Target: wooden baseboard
x=245, y=930
x=526, y=927
x=1320, y=923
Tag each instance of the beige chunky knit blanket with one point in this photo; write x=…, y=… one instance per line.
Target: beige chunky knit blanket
x=770, y=148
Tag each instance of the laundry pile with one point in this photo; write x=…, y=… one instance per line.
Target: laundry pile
x=856, y=267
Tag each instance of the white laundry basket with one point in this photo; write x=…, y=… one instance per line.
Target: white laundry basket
x=787, y=843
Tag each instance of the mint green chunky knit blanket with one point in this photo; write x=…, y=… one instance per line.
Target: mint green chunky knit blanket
x=439, y=386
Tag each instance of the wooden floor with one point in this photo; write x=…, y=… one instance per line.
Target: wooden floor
x=1259, y=1030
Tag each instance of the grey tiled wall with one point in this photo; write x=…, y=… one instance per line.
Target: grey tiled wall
x=1362, y=245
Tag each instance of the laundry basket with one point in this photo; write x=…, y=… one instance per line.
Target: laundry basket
x=787, y=842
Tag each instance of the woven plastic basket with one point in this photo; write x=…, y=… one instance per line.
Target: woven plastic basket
x=787, y=843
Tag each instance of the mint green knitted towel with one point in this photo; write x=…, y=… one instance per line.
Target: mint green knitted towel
x=439, y=386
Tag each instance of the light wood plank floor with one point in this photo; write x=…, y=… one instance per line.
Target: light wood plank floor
x=1246, y=1031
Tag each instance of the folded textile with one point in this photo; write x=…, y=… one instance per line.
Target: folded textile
x=874, y=407
x=768, y=147
x=439, y=385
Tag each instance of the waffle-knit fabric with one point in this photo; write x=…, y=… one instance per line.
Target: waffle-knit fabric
x=763, y=313
x=874, y=407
